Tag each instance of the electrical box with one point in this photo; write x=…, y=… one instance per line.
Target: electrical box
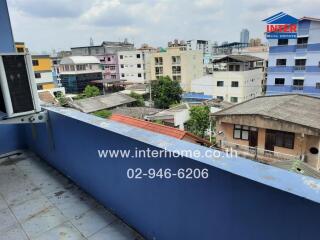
x=18, y=95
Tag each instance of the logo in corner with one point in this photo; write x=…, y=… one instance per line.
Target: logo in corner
x=281, y=26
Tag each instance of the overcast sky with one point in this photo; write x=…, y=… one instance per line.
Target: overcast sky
x=60, y=24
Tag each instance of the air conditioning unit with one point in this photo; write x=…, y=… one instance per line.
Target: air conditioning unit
x=18, y=95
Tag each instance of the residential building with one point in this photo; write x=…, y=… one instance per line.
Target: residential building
x=179, y=64
x=158, y=128
x=176, y=116
x=21, y=47
x=76, y=72
x=255, y=42
x=42, y=67
x=108, y=101
x=176, y=43
x=134, y=65
x=273, y=128
x=244, y=36
x=294, y=64
x=107, y=53
x=236, y=78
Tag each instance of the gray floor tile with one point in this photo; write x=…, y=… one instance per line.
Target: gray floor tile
x=64, y=231
x=3, y=203
x=13, y=233
x=7, y=220
x=42, y=222
x=115, y=231
x=92, y=221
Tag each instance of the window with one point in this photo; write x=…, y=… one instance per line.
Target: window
x=112, y=68
x=81, y=67
x=176, y=60
x=113, y=76
x=284, y=139
x=176, y=70
x=122, y=75
x=109, y=59
x=176, y=78
x=159, y=70
x=234, y=84
x=281, y=62
x=241, y=132
x=300, y=62
x=283, y=42
x=138, y=56
x=298, y=84
x=318, y=85
x=220, y=83
x=220, y=98
x=302, y=40
x=20, y=50
x=279, y=81
x=39, y=87
x=234, y=99
x=139, y=65
x=139, y=75
x=35, y=62
x=37, y=75
x=158, y=60
x=122, y=66
x=121, y=56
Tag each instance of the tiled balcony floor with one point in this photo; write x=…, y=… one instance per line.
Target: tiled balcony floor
x=37, y=202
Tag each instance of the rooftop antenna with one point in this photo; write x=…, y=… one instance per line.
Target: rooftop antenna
x=91, y=42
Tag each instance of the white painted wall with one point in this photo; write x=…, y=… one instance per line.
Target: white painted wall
x=46, y=77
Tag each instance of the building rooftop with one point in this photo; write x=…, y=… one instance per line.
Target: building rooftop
x=80, y=60
x=238, y=58
x=37, y=202
x=158, y=128
x=108, y=101
x=136, y=112
x=296, y=108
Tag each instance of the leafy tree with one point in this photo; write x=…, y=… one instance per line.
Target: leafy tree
x=102, y=113
x=91, y=91
x=63, y=101
x=139, y=98
x=165, y=92
x=199, y=120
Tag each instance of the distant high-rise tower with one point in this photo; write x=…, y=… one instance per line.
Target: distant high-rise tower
x=244, y=36
x=91, y=42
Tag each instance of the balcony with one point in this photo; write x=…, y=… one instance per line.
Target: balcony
x=297, y=88
x=300, y=68
x=302, y=46
x=63, y=175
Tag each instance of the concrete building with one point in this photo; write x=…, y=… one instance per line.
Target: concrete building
x=178, y=64
x=244, y=36
x=205, y=47
x=42, y=67
x=273, y=128
x=294, y=64
x=107, y=53
x=236, y=78
x=134, y=65
x=21, y=47
x=77, y=72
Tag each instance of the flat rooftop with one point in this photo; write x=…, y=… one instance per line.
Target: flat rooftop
x=37, y=202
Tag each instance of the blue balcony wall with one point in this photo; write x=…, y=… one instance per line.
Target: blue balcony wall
x=11, y=138
x=241, y=199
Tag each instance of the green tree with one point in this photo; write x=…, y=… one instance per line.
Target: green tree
x=199, y=120
x=139, y=98
x=91, y=91
x=102, y=113
x=165, y=92
x=63, y=101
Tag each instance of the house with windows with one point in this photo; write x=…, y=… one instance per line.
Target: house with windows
x=294, y=64
x=179, y=64
x=235, y=78
x=273, y=128
x=76, y=72
x=42, y=67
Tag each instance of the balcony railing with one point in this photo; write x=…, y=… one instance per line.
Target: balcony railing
x=300, y=68
x=258, y=154
x=302, y=45
x=297, y=88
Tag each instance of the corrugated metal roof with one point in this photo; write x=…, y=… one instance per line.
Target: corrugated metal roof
x=238, y=58
x=296, y=108
x=80, y=60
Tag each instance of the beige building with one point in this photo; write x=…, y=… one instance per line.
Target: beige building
x=273, y=129
x=178, y=64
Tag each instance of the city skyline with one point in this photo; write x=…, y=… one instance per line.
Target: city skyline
x=140, y=21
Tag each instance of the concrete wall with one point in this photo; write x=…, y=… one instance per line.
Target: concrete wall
x=224, y=206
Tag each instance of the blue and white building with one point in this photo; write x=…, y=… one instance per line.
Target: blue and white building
x=294, y=64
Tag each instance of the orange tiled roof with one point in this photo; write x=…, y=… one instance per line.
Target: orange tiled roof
x=154, y=127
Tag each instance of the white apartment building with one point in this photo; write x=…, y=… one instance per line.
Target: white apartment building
x=239, y=80
x=201, y=45
x=179, y=64
x=134, y=65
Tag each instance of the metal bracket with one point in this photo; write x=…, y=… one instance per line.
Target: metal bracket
x=41, y=117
